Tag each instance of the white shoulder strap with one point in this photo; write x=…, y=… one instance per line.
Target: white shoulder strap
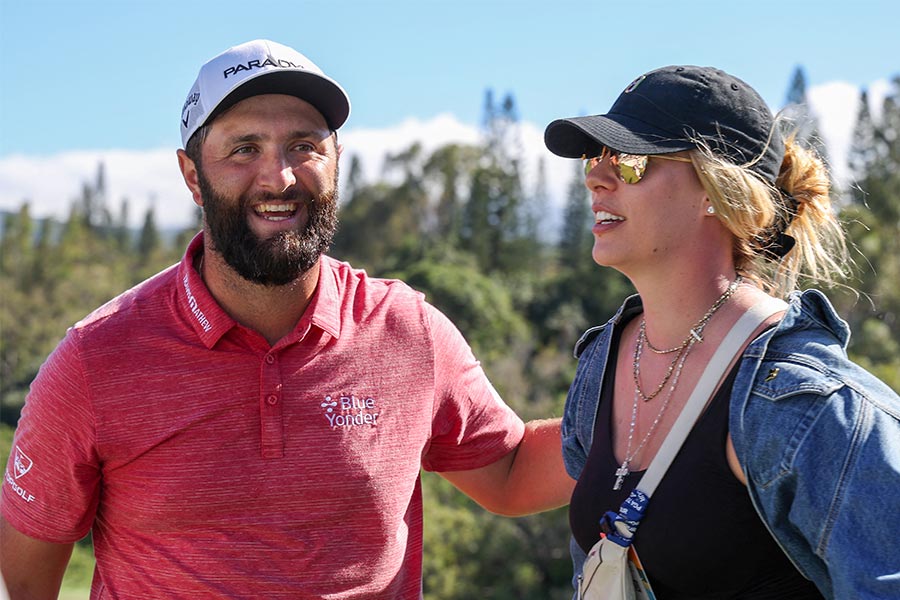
x=723, y=356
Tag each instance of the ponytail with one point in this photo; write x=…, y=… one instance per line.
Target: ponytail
x=820, y=251
x=783, y=231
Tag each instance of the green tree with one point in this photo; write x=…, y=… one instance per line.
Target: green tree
x=354, y=177
x=495, y=228
x=479, y=305
x=92, y=204
x=382, y=222
x=16, y=246
x=448, y=169
x=576, y=240
x=873, y=224
x=121, y=231
x=149, y=239
x=863, y=146
x=797, y=118
x=470, y=553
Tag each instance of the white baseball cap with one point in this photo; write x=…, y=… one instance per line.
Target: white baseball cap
x=260, y=67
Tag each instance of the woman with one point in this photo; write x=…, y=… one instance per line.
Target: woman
x=704, y=206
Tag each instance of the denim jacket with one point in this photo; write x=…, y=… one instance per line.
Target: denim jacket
x=818, y=438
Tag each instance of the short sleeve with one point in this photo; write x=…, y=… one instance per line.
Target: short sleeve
x=471, y=426
x=50, y=487
x=574, y=453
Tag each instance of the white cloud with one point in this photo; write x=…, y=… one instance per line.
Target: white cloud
x=371, y=145
x=50, y=183
x=878, y=91
x=836, y=104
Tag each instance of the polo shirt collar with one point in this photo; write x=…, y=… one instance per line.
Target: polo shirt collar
x=210, y=322
x=324, y=310
x=195, y=302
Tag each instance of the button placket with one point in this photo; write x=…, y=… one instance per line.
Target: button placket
x=270, y=408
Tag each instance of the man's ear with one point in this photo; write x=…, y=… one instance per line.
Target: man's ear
x=190, y=175
x=338, y=147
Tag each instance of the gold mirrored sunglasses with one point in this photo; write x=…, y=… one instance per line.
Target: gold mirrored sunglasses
x=630, y=167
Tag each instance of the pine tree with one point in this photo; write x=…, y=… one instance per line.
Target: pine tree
x=493, y=226
x=863, y=148
x=354, y=178
x=121, y=230
x=16, y=247
x=536, y=207
x=92, y=205
x=884, y=172
x=576, y=239
x=448, y=170
x=874, y=230
x=797, y=117
x=149, y=239
x=796, y=93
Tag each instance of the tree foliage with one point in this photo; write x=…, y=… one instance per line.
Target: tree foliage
x=873, y=224
x=798, y=119
x=52, y=274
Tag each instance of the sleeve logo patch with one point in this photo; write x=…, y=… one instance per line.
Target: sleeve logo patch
x=21, y=463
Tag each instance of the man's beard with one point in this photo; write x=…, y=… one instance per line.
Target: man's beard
x=285, y=256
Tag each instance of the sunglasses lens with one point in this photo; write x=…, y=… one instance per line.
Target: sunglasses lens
x=593, y=161
x=632, y=167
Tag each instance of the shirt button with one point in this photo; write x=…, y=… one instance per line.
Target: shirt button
x=272, y=399
x=270, y=359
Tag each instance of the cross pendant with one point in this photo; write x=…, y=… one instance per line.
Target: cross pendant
x=621, y=473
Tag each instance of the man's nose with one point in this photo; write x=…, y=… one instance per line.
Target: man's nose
x=276, y=174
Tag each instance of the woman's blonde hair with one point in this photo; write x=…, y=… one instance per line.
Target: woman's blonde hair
x=756, y=212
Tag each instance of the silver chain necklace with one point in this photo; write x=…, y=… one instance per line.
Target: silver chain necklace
x=694, y=334
x=623, y=470
x=674, y=371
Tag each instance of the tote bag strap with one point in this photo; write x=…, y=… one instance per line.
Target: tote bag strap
x=704, y=389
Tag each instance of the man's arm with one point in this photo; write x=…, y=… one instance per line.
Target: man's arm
x=32, y=569
x=529, y=479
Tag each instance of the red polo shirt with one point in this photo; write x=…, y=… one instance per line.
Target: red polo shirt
x=210, y=464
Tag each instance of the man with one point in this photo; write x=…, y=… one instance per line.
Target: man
x=252, y=421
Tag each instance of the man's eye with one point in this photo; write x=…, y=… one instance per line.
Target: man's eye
x=304, y=147
x=243, y=150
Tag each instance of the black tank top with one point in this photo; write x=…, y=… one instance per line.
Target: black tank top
x=700, y=537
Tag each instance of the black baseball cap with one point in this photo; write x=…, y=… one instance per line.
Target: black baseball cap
x=669, y=110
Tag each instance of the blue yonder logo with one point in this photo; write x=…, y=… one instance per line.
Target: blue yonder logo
x=349, y=411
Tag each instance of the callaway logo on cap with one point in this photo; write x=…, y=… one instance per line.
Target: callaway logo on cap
x=260, y=67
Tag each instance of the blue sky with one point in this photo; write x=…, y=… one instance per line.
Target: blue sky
x=103, y=75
